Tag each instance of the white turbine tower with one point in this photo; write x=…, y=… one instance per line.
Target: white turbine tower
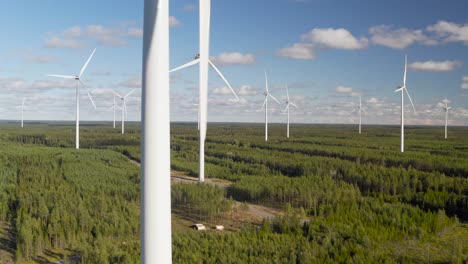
x=22, y=112
x=288, y=103
x=113, y=108
x=156, y=244
x=203, y=59
x=360, y=109
x=123, y=107
x=404, y=90
x=265, y=105
x=77, y=78
x=446, y=109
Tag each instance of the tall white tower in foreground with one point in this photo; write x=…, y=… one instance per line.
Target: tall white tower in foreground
x=156, y=244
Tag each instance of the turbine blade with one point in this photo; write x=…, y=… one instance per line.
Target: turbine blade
x=86, y=64
x=117, y=94
x=188, y=64
x=274, y=98
x=266, y=82
x=62, y=76
x=286, y=109
x=130, y=93
x=89, y=94
x=364, y=110
x=222, y=77
x=294, y=105
x=264, y=102
x=91, y=98
x=287, y=92
x=397, y=90
x=414, y=109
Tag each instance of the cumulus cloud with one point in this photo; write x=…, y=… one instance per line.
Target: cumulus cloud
x=334, y=38
x=299, y=51
x=190, y=8
x=374, y=100
x=222, y=91
x=174, y=22
x=450, y=32
x=233, y=58
x=116, y=36
x=41, y=59
x=135, y=32
x=435, y=66
x=134, y=82
x=246, y=90
x=344, y=89
x=56, y=42
x=464, y=84
x=400, y=38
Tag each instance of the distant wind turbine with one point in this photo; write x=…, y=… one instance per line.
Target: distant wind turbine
x=403, y=90
x=265, y=105
x=124, y=107
x=446, y=109
x=203, y=59
x=288, y=103
x=77, y=78
x=22, y=112
x=360, y=109
x=114, y=107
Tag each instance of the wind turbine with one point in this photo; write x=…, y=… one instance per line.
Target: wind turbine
x=156, y=241
x=446, y=109
x=403, y=90
x=114, y=107
x=288, y=103
x=22, y=112
x=203, y=59
x=265, y=105
x=124, y=107
x=360, y=109
x=77, y=78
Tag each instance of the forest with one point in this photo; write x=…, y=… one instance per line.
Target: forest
x=339, y=197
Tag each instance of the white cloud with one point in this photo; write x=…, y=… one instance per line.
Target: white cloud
x=464, y=82
x=56, y=42
x=435, y=66
x=101, y=91
x=233, y=58
x=134, y=82
x=401, y=38
x=73, y=37
x=174, y=22
x=450, y=32
x=135, y=32
x=299, y=51
x=40, y=59
x=334, y=38
x=190, y=8
x=344, y=89
x=222, y=91
x=374, y=100
x=246, y=90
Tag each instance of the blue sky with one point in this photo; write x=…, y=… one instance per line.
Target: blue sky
x=328, y=52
